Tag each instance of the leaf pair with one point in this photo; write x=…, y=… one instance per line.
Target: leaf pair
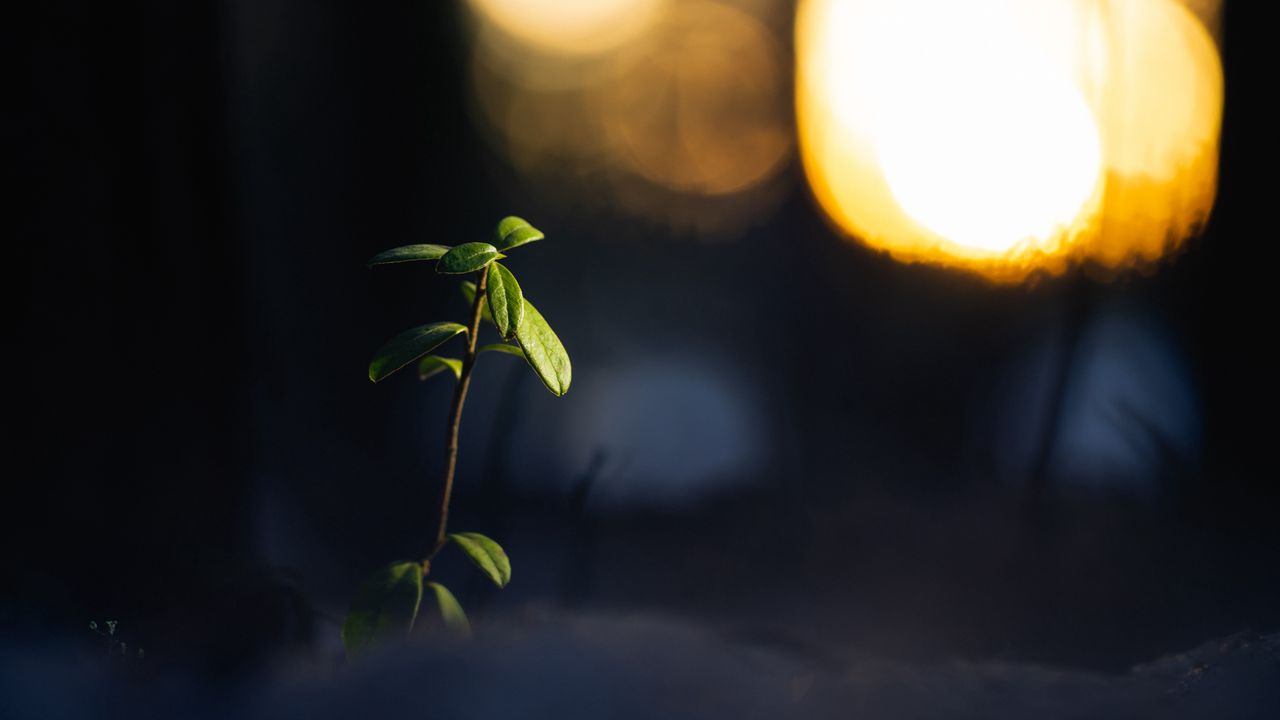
x=539, y=344
x=386, y=605
x=503, y=305
x=502, y=290
x=511, y=232
x=464, y=258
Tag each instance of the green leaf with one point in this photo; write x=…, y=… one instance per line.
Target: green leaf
x=385, y=606
x=514, y=232
x=432, y=365
x=506, y=303
x=469, y=292
x=502, y=348
x=409, y=346
x=409, y=253
x=450, y=610
x=467, y=257
x=544, y=351
x=486, y=554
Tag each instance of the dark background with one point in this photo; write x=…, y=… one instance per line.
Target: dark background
x=200, y=455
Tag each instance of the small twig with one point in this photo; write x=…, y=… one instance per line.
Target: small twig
x=455, y=419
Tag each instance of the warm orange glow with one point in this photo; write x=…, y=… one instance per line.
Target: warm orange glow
x=569, y=27
x=1007, y=136
x=682, y=120
x=704, y=110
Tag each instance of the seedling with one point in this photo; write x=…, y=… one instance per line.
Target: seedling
x=386, y=605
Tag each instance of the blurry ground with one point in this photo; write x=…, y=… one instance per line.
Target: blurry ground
x=645, y=666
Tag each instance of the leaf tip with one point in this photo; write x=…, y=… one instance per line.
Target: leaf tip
x=513, y=231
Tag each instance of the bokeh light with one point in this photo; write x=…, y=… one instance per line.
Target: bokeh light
x=569, y=27
x=684, y=122
x=1010, y=137
x=701, y=113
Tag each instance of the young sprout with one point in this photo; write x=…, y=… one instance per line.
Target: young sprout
x=386, y=604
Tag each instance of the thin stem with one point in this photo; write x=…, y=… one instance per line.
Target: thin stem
x=455, y=419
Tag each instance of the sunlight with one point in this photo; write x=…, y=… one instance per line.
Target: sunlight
x=984, y=140
x=1009, y=137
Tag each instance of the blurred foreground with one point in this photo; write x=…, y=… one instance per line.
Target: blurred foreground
x=644, y=666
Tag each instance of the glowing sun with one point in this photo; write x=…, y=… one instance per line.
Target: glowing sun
x=1006, y=136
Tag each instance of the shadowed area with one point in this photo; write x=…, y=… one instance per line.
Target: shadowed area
x=639, y=666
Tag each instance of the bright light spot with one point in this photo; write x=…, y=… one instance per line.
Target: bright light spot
x=1009, y=136
x=981, y=138
x=570, y=27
